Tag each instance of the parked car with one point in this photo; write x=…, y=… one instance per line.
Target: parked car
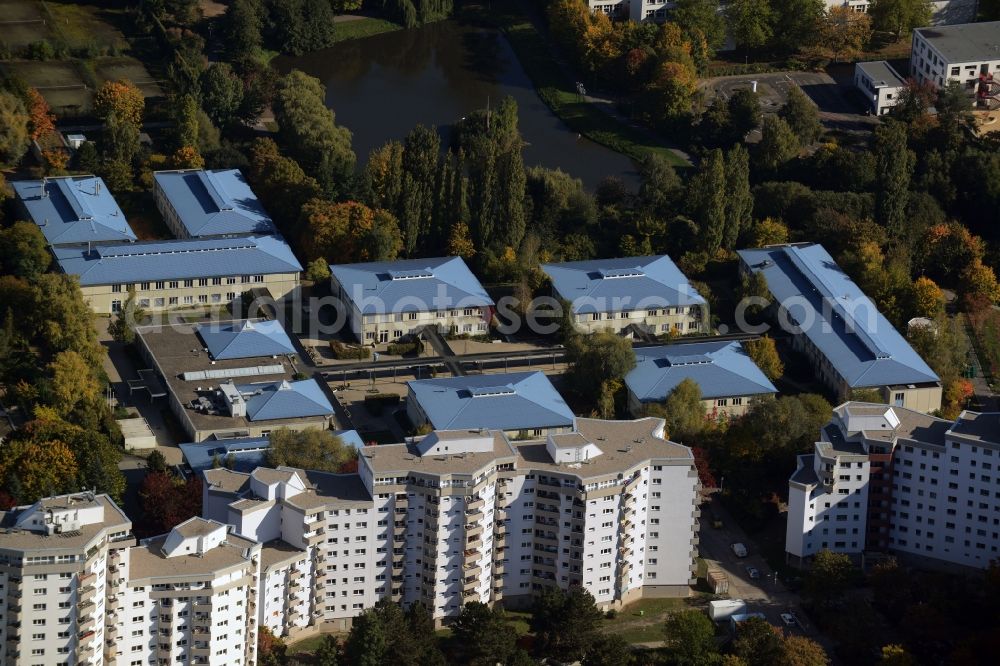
x=753, y=572
x=739, y=549
x=789, y=619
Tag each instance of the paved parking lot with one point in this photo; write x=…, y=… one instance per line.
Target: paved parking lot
x=838, y=103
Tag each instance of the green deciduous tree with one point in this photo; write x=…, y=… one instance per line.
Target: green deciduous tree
x=796, y=23
x=778, y=144
x=122, y=328
x=14, y=136
x=764, y=354
x=300, y=26
x=221, y=93
x=24, y=251
x=802, y=651
x=328, y=652
x=244, y=23
x=894, y=169
x=683, y=410
x=828, y=577
x=758, y=643
x=744, y=113
x=738, y=198
x=482, y=635
x=421, y=151
x=565, y=622
x=749, y=22
x=310, y=449
x=702, y=16
x=311, y=133
x=690, y=639
x=802, y=116
x=609, y=650
x=706, y=201
x=598, y=358
x=899, y=16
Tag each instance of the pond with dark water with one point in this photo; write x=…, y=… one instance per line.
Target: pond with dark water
x=381, y=87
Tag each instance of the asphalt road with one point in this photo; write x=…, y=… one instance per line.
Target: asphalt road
x=765, y=595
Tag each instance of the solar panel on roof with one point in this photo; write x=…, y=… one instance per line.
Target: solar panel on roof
x=411, y=274
x=826, y=291
x=687, y=359
x=490, y=391
x=607, y=273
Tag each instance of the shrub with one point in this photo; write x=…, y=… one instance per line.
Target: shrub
x=403, y=348
x=343, y=352
x=376, y=404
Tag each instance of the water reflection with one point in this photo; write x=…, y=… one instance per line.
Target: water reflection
x=381, y=86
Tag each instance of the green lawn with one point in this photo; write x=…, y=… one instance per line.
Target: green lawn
x=307, y=645
x=79, y=25
x=366, y=27
x=559, y=92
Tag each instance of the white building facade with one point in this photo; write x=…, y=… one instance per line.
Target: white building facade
x=894, y=480
x=77, y=590
x=465, y=516
x=880, y=84
x=955, y=53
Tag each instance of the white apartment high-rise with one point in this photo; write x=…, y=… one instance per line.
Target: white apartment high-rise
x=896, y=480
x=57, y=571
x=465, y=516
x=77, y=590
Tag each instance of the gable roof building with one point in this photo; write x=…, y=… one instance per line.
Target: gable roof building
x=199, y=203
x=174, y=273
x=73, y=210
x=439, y=291
x=245, y=339
x=725, y=373
x=648, y=292
x=512, y=402
x=851, y=343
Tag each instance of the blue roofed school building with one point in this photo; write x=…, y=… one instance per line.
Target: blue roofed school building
x=245, y=339
x=244, y=454
x=73, y=210
x=518, y=403
x=645, y=293
x=238, y=395
x=851, y=345
x=728, y=378
x=387, y=300
x=202, y=203
x=181, y=273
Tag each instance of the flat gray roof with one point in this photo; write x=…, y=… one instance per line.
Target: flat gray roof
x=966, y=42
x=882, y=73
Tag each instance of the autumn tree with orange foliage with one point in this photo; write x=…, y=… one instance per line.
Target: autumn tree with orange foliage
x=31, y=469
x=187, y=157
x=350, y=231
x=121, y=96
x=41, y=120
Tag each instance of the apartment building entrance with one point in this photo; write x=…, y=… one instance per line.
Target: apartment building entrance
x=383, y=336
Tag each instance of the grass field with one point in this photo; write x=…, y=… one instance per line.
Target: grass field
x=366, y=27
x=17, y=35
x=20, y=10
x=61, y=82
x=80, y=25
x=112, y=69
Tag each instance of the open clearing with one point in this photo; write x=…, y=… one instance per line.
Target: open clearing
x=61, y=82
x=80, y=25
x=112, y=69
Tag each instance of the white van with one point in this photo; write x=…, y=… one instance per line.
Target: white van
x=739, y=549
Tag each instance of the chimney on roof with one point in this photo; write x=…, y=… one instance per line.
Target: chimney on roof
x=97, y=187
x=45, y=182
